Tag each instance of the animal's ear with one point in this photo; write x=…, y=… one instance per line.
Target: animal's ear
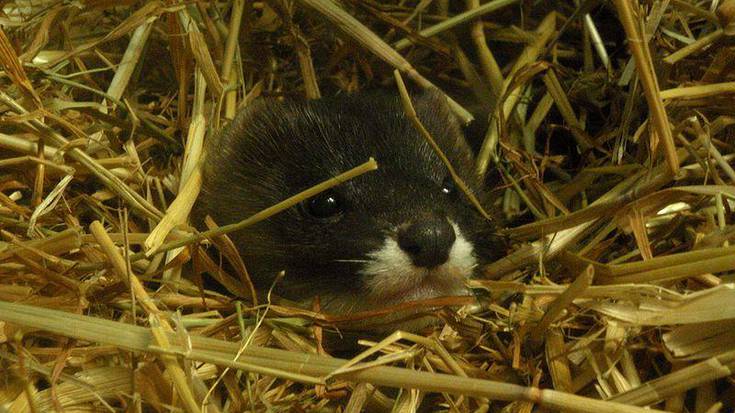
x=261, y=118
x=433, y=111
x=254, y=125
x=260, y=108
x=432, y=102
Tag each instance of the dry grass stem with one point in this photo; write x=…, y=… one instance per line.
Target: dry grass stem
x=694, y=47
x=368, y=166
x=135, y=338
x=580, y=284
x=510, y=93
x=411, y=113
x=461, y=18
x=698, y=92
x=639, y=48
x=357, y=31
x=129, y=60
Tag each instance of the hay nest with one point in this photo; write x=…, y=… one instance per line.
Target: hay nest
x=610, y=127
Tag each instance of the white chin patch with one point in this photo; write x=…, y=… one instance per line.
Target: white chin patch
x=390, y=277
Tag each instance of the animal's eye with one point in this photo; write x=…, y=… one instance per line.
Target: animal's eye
x=448, y=186
x=325, y=205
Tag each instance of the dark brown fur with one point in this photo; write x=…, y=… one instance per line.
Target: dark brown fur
x=273, y=149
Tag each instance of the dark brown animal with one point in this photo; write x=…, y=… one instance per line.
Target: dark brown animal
x=403, y=232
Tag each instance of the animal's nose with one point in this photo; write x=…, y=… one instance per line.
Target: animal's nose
x=427, y=241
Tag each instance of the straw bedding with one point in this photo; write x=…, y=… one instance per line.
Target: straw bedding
x=610, y=143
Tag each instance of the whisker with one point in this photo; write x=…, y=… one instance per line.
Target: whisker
x=351, y=260
x=380, y=271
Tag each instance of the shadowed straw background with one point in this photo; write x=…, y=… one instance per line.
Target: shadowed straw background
x=609, y=147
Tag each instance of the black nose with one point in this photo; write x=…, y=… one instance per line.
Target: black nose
x=427, y=241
